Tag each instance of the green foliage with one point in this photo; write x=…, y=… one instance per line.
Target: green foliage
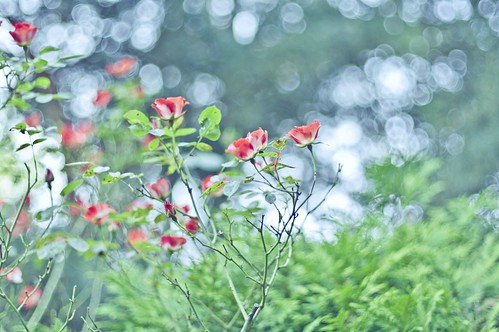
x=439, y=274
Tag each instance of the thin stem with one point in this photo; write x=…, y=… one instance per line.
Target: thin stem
x=235, y=293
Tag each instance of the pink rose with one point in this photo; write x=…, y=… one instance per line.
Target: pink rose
x=160, y=189
x=23, y=33
x=98, y=213
x=75, y=136
x=30, y=295
x=170, y=108
x=305, y=135
x=121, y=67
x=136, y=235
x=246, y=148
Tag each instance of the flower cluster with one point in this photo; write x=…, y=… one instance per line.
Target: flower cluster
x=247, y=148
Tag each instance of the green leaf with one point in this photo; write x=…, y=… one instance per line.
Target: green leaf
x=40, y=65
x=231, y=188
x=32, y=132
x=89, y=173
x=110, y=179
x=23, y=146
x=203, y=147
x=270, y=198
x=24, y=87
x=39, y=140
x=19, y=103
x=71, y=187
x=184, y=132
x=209, y=120
x=101, y=169
x=279, y=144
x=78, y=244
x=69, y=57
x=153, y=144
x=48, y=50
x=135, y=117
x=214, y=188
x=44, y=98
x=78, y=163
x=42, y=82
x=138, y=130
x=21, y=126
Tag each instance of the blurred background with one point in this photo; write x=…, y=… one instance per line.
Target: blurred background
x=384, y=77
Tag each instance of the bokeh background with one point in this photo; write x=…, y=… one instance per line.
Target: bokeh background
x=384, y=77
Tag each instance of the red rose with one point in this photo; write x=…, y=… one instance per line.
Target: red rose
x=192, y=225
x=305, y=135
x=170, y=108
x=169, y=209
x=23, y=33
x=172, y=242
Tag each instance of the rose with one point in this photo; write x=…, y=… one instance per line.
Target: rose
x=170, y=108
x=121, y=67
x=246, y=148
x=30, y=295
x=136, y=235
x=160, y=189
x=305, y=135
x=73, y=137
x=23, y=33
x=14, y=275
x=102, y=98
x=98, y=213
x=192, y=225
x=171, y=242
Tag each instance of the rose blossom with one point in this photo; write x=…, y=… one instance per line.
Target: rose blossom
x=170, y=108
x=102, y=98
x=121, y=67
x=160, y=189
x=75, y=136
x=169, y=209
x=34, y=119
x=30, y=295
x=246, y=148
x=171, y=242
x=23, y=33
x=136, y=235
x=98, y=213
x=14, y=275
x=192, y=225
x=305, y=135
